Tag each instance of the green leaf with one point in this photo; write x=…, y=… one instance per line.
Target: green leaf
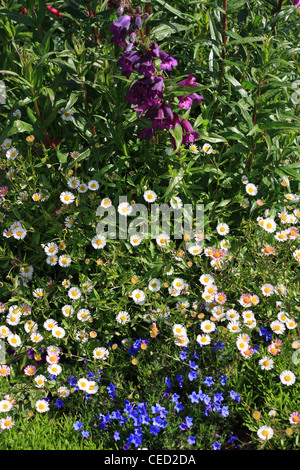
x=18, y=17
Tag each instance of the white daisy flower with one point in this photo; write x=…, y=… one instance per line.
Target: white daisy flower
x=123, y=317
x=163, y=239
x=203, y=340
x=83, y=314
x=98, y=241
x=93, y=185
x=67, y=197
x=125, y=208
x=64, y=261
x=207, y=148
x=12, y=153
x=138, y=296
x=265, y=433
x=266, y=363
x=222, y=229
x=135, y=240
x=42, y=406
x=251, y=189
x=154, y=285
x=67, y=115
x=100, y=353
x=287, y=377
x=150, y=196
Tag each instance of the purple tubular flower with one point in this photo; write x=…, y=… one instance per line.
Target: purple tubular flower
x=120, y=29
x=128, y=62
x=186, y=101
x=190, y=81
x=167, y=62
x=146, y=66
x=190, y=135
x=146, y=133
x=146, y=89
x=296, y=3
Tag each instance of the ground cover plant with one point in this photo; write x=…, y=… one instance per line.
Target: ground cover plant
x=128, y=342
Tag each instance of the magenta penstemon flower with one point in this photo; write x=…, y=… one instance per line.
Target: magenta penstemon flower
x=146, y=93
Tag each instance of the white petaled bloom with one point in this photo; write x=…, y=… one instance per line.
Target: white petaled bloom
x=58, y=332
x=4, y=331
x=40, y=380
x=178, y=283
x=13, y=319
x=244, y=179
x=195, y=249
x=282, y=316
x=150, y=196
x=248, y=315
x=87, y=286
x=123, y=317
x=174, y=292
x=251, y=189
x=30, y=326
x=266, y=363
x=269, y=225
x=281, y=236
x=52, y=260
x=208, y=326
x=182, y=341
x=218, y=313
x=73, y=182
x=6, y=144
x=135, y=240
x=251, y=323
x=12, y=153
x=183, y=305
x=75, y=154
x=70, y=221
x=265, y=433
x=41, y=406
x=291, y=324
x=63, y=392
x=169, y=272
x=5, y=406
x=224, y=244
x=203, y=340
x=242, y=344
x=277, y=327
x=154, y=285
x=82, y=188
x=74, y=293
x=67, y=115
x=232, y=314
x=178, y=330
x=92, y=388
x=67, y=310
x=163, y=239
x=83, y=314
x=67, y=197
x=206, y=279
x=100, y=353
x=287, y=377
x=14, y=340
x=54, y=369
x=207, y=148
x=26, y=272
x=36, y=337
x=64, y=261
x=93, y=185
x=19, y=233
x=82, y=336
x=280, y=289
x=211, y=289
x=82, y=384
x=138, y=296
x=106, y=202
x=267, y=289
x=222, y=229
x=51, y=249
x=234, y=326
x=176, y=202
x=125, y=208
x=6, y=423
x=193, y=148
x=98, y=241
x=296, y=255
x=17, y=113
